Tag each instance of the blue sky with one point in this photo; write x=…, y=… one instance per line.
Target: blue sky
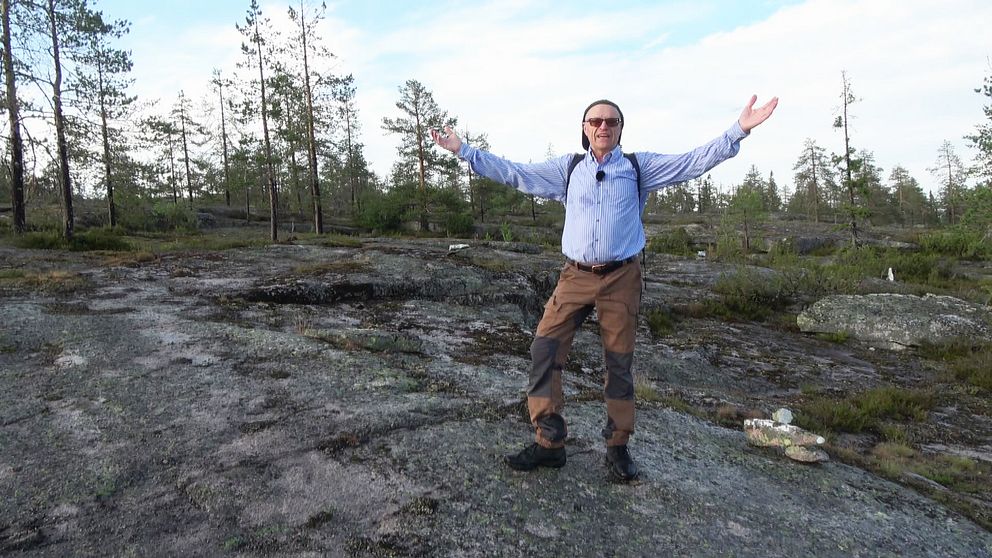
x=521, y=71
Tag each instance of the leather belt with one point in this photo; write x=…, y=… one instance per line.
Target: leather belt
x=602, y=268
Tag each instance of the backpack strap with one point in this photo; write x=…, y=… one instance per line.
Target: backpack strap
x=637, y=172
x=577, y=158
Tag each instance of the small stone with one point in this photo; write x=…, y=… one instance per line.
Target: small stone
x=806, y=455
x=767, y=433
x=783, y=416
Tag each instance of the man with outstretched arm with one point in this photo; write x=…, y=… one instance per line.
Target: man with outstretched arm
x=604, y=193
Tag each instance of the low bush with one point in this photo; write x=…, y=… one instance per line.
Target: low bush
x=894, y=459
x=956, y=242
x=864, y=411
x=40, y=241
x=752, y=294
x=661, y=322
x=459, y=225
x=160, y=216
x=385, y=213
x=677, y=242
x=99, y=239
x=968, y=362
x=83, y=241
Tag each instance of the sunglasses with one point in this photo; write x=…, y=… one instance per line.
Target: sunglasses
x=597, y=122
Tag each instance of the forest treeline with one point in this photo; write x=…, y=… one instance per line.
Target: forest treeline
x=280, y=132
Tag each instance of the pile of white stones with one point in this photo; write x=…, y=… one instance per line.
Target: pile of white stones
x=798, y=444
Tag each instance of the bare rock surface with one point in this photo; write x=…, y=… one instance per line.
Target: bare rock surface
x=899, y=319
x=311, y=401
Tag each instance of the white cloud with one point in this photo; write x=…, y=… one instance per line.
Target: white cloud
x=913, y=64
x=522, y=71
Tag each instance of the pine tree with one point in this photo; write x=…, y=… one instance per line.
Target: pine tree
x=908, y=196
x=950, y=174
x=982, y=139
x=812, y=172
x=847, y=162
x=13, y=115
x=420, y=115
x=256, y=54
x=101, y=82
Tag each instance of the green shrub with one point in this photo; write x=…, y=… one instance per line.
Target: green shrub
x=864, y=411
x=908, y=267
x=506, y=231
x=751, y=294
x=782, y=255
x=40, y=241
x=729, y=246
x=975, y=369
x=98, y=239
x=894, y=458
x=645, y=391
x=839, y=337
x=676, y=242
x=459, y=224
x=661, y=322
x=957, y=242
x=967, y=361
x=386, y=212
x=160, y=216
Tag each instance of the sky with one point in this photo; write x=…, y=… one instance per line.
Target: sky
x=522, y=71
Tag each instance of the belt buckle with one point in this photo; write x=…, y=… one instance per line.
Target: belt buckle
x=599, y=269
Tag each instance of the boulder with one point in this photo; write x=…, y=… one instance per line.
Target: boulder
x=898, y=320
x=806, y=455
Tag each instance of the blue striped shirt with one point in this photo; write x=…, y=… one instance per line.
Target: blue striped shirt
x=603, y=218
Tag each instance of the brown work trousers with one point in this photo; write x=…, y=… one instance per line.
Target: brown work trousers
x=616, y=297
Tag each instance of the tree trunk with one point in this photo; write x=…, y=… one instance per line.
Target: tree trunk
x=352, y=179
x=847, y=168
x=950, y=192
x=815, y=194
x=223, y=137
x=247, y=196
x=172, y=171
x=16, y=144
x=294, y=171
x=747, y=236
x=182, y=122
x=318, y=217
x=63, y=146
x=270, y=174
x=111, y=206
x=423, y=176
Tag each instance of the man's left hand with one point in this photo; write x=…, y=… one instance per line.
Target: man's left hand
x=751, y=116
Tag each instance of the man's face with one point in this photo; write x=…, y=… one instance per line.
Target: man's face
x=604, y=138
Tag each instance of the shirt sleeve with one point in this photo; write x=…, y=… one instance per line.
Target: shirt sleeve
x=660, y=170
x=544, y=180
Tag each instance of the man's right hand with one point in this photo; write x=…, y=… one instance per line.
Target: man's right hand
x=449, y=140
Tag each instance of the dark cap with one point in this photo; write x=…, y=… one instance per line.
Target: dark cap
x=585, y=140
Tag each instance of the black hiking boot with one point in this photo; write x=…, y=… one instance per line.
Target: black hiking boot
x=620, y=463
x=534, y=456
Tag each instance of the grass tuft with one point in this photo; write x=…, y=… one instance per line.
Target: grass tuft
x=865, y=411
x=661, y=322
x=677, y=242
x=967, y=361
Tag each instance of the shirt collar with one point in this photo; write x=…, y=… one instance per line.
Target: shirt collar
x=616, y=152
